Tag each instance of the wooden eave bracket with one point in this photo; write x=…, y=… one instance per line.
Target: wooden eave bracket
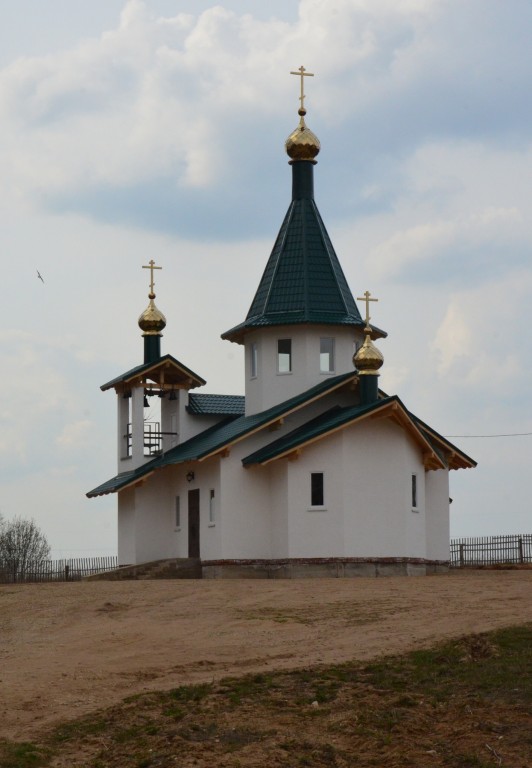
x=294, y=455
x=431, y=461
x=276, y=424
x=223, y=453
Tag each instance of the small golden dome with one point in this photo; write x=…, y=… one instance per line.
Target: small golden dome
x=368, y=359
x=302, y=144
x=152, y=321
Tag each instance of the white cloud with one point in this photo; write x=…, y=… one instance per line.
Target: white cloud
x=481, y=345
x=75, y=434
x=162, y=137
x=174, y=97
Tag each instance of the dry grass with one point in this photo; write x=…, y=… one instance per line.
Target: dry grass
x=463, y=704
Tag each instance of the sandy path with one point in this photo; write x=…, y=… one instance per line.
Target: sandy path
x=66, y=649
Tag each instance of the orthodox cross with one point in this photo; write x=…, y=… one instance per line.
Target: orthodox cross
x=302, y=73
x=151, y=266
x=367, y=299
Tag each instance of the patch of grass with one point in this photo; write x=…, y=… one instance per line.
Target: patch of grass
x=239, y=688
x=459, y=705
x=79, y=729
x=190, y=693
x=22, y=755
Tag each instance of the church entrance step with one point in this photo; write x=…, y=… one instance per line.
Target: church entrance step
x=176, y=568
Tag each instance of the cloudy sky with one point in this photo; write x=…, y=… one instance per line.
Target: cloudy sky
x=132, y=130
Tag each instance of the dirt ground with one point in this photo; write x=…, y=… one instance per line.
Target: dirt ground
x=68, y=649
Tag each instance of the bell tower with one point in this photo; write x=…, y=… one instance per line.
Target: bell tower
x=152, y=397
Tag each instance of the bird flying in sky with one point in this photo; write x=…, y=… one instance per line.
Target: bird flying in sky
x=39, y=276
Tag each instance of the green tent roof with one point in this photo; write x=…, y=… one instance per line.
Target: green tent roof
x=303, y=281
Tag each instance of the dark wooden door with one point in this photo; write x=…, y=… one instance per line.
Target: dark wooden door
x=193, y=524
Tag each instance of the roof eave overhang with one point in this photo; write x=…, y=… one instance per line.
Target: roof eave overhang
x=393, y=410
x=239, y=332
x=176, y=375
x=455, y=458
x=119, y=486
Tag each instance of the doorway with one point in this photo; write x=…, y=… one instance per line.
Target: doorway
x=194, y=523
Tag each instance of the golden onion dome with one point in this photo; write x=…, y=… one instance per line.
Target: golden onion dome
x=302, y=144
x=368, y=359
x=152, y=321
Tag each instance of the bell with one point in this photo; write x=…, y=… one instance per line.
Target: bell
x=173, y=395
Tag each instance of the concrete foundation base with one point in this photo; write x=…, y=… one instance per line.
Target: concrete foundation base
x=322, y=568
x=312, y=568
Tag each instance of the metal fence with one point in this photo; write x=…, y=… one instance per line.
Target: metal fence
x=491, y=550
x=56, y=570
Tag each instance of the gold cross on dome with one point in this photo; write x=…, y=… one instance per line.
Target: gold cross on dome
x=367, y=298
x=302, y=72
x=151, y=266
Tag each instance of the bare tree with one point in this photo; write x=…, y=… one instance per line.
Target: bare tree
x=23, y=548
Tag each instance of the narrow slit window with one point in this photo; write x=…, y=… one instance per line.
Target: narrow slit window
x=316, y=489
x=212, y=506
x=177, y=512
x=284, y=355
x=326, y=355
x=254, y=360
x=414, y=491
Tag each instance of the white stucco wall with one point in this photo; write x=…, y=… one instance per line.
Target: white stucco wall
x=437, y=515
x=368, y=485
x=270, y=387
x=127, y=548
x=147, y=527
x=265, y=512
x=277, y=474
x=154, y=518
x=246, y=505
x=317, y=531
x=206, y=477
x=380, y=459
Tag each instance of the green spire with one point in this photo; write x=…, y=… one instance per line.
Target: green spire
x=303, y=281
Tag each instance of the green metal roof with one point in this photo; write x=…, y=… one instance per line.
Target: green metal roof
x=221, y=435
x=447, y=454
x=139, y=370
x=326, y=422
x=216, y=405
x=303, y=281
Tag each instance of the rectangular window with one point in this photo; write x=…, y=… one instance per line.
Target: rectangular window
x=212, y=508
x=326, y=355
x=316, y=489
x=284, y=355
x=414, y=491
x=177, y=512
x=254, y=360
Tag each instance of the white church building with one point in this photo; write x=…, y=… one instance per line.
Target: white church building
x=315, y=470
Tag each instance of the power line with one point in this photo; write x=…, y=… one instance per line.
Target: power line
x=508, y=434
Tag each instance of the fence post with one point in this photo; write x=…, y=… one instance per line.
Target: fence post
x=520, y=545
x=461, y=555
x=67, y=569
